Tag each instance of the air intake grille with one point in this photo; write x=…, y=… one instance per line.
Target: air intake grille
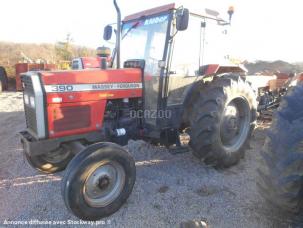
x=30, y=112
x=27, y=83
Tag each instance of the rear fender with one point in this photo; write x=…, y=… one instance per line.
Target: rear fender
x=216, y=69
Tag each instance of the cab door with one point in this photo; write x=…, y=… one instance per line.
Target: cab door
x=185, y=62
x=146, y=39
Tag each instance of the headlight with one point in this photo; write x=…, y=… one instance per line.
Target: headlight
x=26, y=99
x=32, y=101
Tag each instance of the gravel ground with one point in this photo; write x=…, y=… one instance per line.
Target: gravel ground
x=169, y=188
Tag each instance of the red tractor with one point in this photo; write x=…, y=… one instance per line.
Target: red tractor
x=80, y=119
x=101, y=60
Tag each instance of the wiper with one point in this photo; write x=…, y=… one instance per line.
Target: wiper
x=131, y=28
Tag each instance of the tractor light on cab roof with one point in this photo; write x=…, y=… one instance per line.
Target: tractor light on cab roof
x=230, y=12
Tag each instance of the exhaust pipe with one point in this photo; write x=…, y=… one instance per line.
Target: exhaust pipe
x=118, y=35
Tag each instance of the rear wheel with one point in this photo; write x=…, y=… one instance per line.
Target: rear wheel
x=51, y=162
x=280, y=179
x=98, y=181
x=222, y=120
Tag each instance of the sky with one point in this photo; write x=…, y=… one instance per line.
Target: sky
x=261, y=30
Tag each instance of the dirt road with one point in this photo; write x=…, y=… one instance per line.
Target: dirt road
x=168, y=190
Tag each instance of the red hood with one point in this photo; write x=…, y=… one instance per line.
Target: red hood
x=91, y=76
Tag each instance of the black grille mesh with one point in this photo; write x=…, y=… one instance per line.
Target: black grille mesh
x=30, y=112
x=27, y=83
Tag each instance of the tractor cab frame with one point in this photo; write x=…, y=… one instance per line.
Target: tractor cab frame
x=156, y=41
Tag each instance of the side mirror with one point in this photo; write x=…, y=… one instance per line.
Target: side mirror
x=107, y=33
x=182, y=19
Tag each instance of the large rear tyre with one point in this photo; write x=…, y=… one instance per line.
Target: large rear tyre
x=51, y=162
x=98, y=181
x=222, y=120
x=280, y=179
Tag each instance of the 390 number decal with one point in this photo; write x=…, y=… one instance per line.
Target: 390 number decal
x=62, y=88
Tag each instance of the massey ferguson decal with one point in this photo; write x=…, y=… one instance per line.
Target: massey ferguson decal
x=91, y=87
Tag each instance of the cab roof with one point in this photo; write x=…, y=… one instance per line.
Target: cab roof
x=168, y=7
x=149, y=12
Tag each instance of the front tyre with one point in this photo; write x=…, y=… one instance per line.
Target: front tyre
x=222, y=120
x=98, y=181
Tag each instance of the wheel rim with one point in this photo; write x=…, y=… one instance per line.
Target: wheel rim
x=235, y=124
x=57, y=156
x=104, y=183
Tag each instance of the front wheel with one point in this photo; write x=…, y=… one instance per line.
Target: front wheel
x=222, y=119
x=98, y=181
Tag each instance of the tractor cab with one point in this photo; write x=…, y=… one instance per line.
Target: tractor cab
x=171, y=42
x=146, y=37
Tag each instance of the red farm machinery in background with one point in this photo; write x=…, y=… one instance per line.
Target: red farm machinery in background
x=25, y=67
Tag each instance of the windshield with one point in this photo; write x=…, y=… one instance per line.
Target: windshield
x=145, y=39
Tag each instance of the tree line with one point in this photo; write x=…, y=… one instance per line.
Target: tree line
x=12, y=53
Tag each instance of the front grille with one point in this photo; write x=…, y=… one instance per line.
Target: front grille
x=27, y=83
x=30, y=112
x=30, y=117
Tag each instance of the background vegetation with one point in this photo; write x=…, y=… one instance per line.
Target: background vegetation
x=12, y=53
